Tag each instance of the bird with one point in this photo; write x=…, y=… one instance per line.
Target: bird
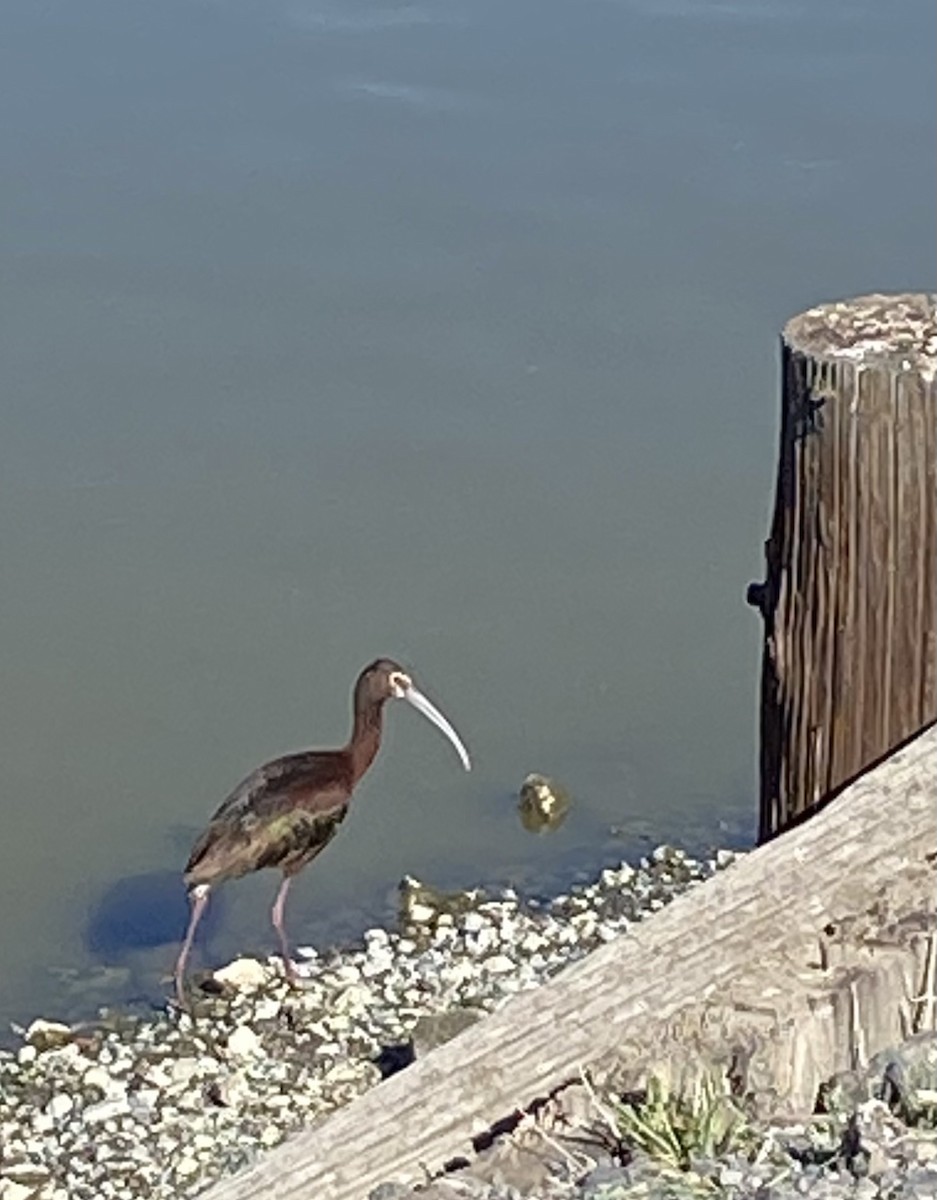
x=288, y=810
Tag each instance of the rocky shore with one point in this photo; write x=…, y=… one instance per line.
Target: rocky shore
x=875, y=1139
x=123, y=1108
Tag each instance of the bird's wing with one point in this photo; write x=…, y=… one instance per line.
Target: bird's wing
x=289, y=807
x=285, y=781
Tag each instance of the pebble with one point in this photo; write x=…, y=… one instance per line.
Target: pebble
x=10, y=1190
x=243, y=974
x=105, y=1110
x=59, y=1106
x=243, y=1042
x=45, y=1034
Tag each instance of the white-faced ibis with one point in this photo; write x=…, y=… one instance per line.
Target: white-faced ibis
x=284, y=813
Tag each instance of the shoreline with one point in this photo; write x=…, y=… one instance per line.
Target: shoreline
x=164, y=1104
x=168, y=1104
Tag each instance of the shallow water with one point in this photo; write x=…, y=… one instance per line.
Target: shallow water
x=445, y=331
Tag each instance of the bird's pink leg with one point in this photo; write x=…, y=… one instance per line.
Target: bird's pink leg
x=277, y=916
x=199, y=898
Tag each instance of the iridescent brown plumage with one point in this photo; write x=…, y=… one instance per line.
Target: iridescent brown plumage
x=287, y=811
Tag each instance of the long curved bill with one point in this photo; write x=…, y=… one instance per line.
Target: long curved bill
x=415, y=697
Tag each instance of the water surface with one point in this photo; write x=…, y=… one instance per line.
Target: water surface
x=440, y=330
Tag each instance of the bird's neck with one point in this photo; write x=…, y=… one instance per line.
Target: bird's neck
x=365, y=737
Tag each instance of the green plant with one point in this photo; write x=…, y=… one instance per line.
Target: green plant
x=676, y=1128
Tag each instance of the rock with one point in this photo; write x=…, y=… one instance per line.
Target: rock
x=101, y=1078
x=59, y=1106
x=230, y=1091
x=11, y=1190
x=543, y=804
x=143, y=1102
x=26, y=1172
x=244, y=1043
x=391, y=1191
x=105, y=1110
x=187, y=1166
x=266, y=1010
x=354, y=999
x=182, y=1070
x=243, y=975
x=47, y=1035
x=270, y=1136
x=420, y=904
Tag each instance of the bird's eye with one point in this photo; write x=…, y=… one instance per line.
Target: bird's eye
x=398, y=683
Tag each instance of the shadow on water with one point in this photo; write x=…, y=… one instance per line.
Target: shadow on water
x=142, y=912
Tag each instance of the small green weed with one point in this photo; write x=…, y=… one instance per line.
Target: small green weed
x=676, y=1129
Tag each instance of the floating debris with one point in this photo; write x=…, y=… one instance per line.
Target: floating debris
x=543, y=804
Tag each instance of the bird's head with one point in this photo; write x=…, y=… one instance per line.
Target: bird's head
x=386, y=680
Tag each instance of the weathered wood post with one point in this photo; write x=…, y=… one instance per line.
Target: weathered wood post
x=849, y=666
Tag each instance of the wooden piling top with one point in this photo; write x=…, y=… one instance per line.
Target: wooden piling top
x=881, y=329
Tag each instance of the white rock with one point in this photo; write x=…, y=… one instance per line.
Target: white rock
x=531, y=942
x=354, y=999
x=27, y=1055
x=144, y=1100
x=233, y=1090
x=106, y=1110
x=98, y=1077
x=66, y=1056
x=186, y=1166
x=11, y=1190
x=266, y=1010
x=182, y=1070
x=343, y=1072
x=59, y=1106
x=244, y=974
x=244, y=1043
x=28, y=1172
x=498, y=964
x=157, y=1075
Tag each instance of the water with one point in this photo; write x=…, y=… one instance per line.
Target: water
x=445, y=331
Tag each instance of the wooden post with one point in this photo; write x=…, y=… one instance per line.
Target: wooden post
x=849, y=667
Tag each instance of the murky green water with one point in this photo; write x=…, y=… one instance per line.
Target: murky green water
x=445, y=331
